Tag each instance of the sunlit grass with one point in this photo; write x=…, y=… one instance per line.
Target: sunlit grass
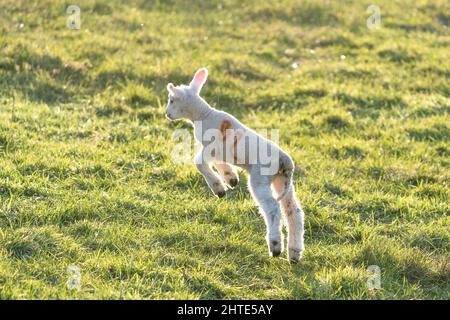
x=87, y=178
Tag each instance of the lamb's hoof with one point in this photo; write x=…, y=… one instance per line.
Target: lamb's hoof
x=233, y=182
x=275, y=253
x=221, y=194
x=294, y=255
x=275, y=248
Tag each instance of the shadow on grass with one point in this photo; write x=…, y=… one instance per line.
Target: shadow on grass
x=298, y=99
x=413, y=265
x=399, y=55
x=368, y=106
x=438, y=132
x=307, y=14
x=48, y=79
x=40, y=77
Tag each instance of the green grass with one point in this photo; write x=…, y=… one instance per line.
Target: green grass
x=87, y=178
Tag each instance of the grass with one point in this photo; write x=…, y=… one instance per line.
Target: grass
x=87, y=178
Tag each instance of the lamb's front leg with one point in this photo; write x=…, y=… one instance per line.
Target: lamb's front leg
x=212, y=179
x=227, y=172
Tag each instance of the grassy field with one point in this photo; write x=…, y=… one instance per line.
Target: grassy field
x=87, y=177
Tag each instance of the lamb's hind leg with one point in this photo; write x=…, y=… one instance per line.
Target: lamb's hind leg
x=260, y=189
x=294, y=216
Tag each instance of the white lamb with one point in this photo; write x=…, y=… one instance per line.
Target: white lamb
x=228, y=144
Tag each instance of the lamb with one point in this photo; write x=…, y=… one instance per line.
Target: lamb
x=229, y=146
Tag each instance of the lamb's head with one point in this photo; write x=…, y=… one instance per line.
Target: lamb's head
x=185, y=101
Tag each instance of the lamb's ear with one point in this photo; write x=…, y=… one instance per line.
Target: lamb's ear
x=171, y=88
x=199, y=79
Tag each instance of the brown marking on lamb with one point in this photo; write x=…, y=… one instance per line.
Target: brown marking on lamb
x=237, y=136
x=226, y=130
x=226, y=124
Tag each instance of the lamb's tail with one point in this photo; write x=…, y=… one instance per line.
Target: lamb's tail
x=286, y=171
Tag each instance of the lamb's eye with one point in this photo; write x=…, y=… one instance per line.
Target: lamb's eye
x=171, y=100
